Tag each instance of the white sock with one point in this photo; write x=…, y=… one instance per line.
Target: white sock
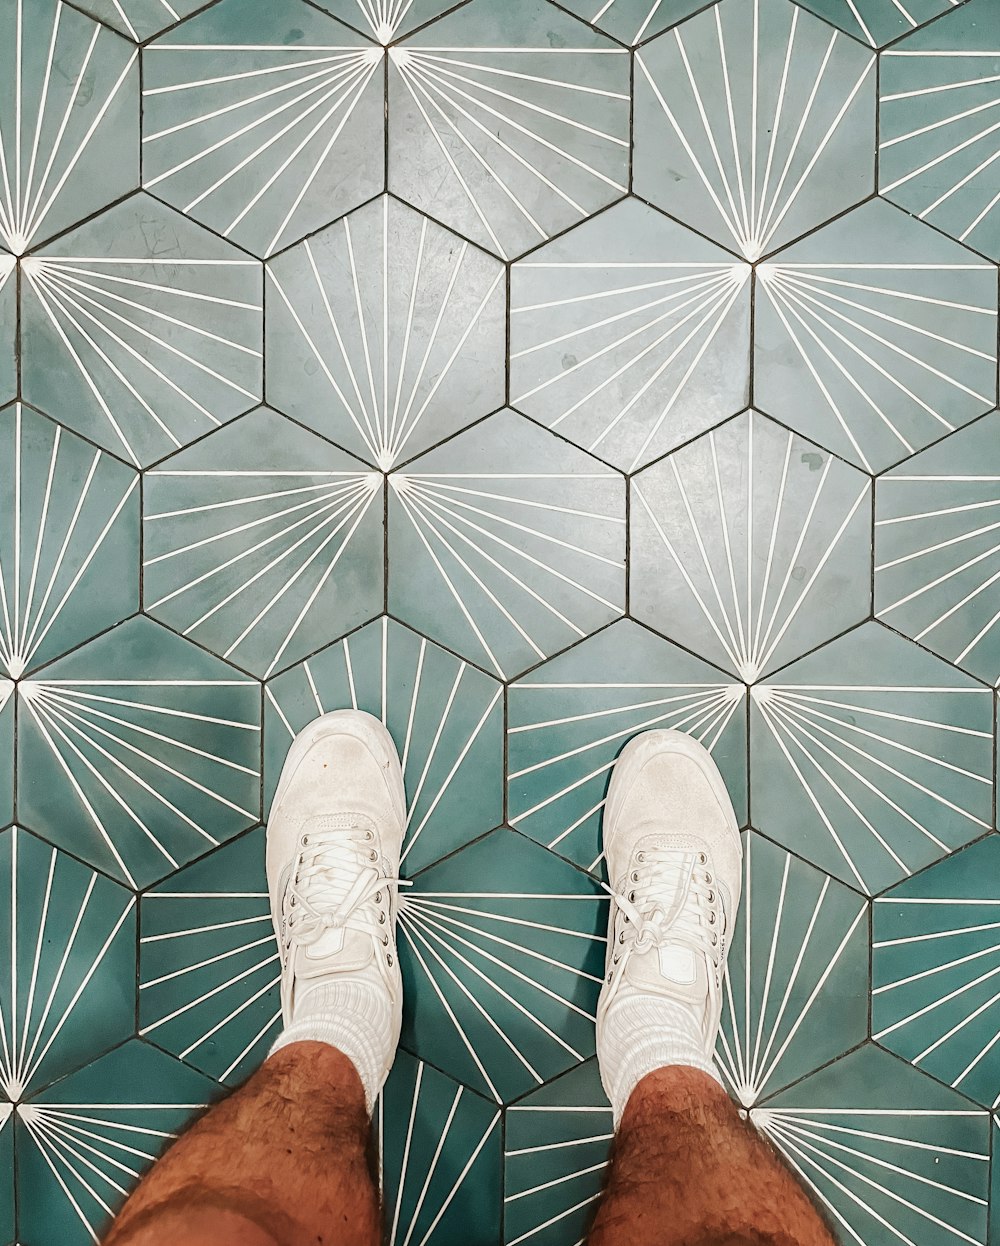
x=353, y=1017
x=641, y=1033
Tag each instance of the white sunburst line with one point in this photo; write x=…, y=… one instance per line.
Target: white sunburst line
x=334, y=52
x=66, y=1124
x=427, y=928
x=67, y=293
x=793, y=722
x=560, y=1215
x=776, y=298
x=70, y=265
x=560, y=1146
x=65, y=690
x=727, y=545
x=949, y=542
x=236, y=950
x=96, y=821
x=954, y=85
x=253, y=1042
x=566, y=791
x=407, y=1141
x=414, y=699
x=428, y=899
x=940, y=123
x=44, y=1146
x=807, y=274
x=320, y=513
x=15, y=1070
x=561, y=1180
x=945, y=966
x=207, y=995
x=797, y=694
x=446, y=56
x=231, y=1016
x=703, y=694
x=795, y=292
x=941, y=579
x=412, y=936
x=212, y=928
x=65, y=1141
x=432, y=1167
x=959, y=1025
x=745, y=210
x=978, y=220
x=932, y=164
x=756, y=1081
x=404, y=354
x=450, y=160
x=435, y=741
x=816, y=1118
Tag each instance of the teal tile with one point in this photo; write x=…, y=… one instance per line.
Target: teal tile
x=937, y=125
x=141, y=330
x=140, y=19
x=262, y=542
x=871, y=758
x=263, y=119
x=877, y=22
x=386, y=20
x=69, y=127
x=934, y=967
x=6, y=1172
x=70, y=993
x=796, y=994
x=555, y=1159
x=875, y=335
x=936, y=572
x=69, y=540
x=445, y=717
x=6, y=751
x=506, y=544
x=386, y=332
x=440, y=1161
x=508, y=122
x=208, y=963
x=84, y=1143
x=8, y=326
x=138, y=752
x=754, y=123
x=750, y=546
x=569, y=719
x=632, y=21
x=502, y=951
x=630, y=335
x=892, y=1155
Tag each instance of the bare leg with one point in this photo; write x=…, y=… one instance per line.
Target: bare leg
x=282, y=1162
x=687, y=1171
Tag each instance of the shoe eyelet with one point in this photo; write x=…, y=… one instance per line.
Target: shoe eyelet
x=711, y=897
x=708, y=878
x=609, y=977
x=369, y=834
x=388, y=959
x=702, y=859
x=373, y=855
x=631, y=897
x=715, y=940
x=711, y=919
x=635, y=876
x=305, y=839
x=385, y=940
x=378, y=897
x=381, y=919
x=621, y=936
x=615, y=959
x=625, y=918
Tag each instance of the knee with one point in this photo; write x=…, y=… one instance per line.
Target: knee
x=182, y=1224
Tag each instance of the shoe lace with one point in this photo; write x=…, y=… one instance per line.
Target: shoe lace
x=336, y=876
x=699, y=923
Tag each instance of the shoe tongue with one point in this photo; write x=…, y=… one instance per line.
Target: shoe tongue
x=350, y=948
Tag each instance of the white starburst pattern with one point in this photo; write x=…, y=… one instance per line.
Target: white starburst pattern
x=251, y=137
x=8, y=264
x=419, y=1183
x=64, y=136
x=404, y=350
x=73, y=520
x=793, y=527
x=796, y=986
x=938, y=112
x=879, y=21
x=899, y=353
x=160, y=350
x=70, y=933
x=387, y=19
x=633, y=20
x=140, y=19
x=610, y=348
x=246, y=560
x=529, y=139
x=744, y=160
x=886, y=1171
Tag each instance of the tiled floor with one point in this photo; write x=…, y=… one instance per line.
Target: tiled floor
x=658, y=390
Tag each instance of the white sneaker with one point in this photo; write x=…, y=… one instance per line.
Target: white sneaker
x=673, y=850
x=333, y=844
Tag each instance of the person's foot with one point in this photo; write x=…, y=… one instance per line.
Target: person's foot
x=673, y=850
x=333, y=844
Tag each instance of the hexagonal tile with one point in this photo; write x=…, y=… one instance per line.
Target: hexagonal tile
x=386, y=20
x=937, y=559
x=440, y=1158
x=631, y=21
x=264, y=119
x=208, y=962
x=877, y=22
x=140, y=19
x=502, y=950
x=937, y=125
x=262, y=542
x=630, y=335
x=8, y=326
x=386, y=332
x=555, y=1159
x=512, y=543
x=772, y=135
x=70, y=993
x=750, y=546
x=872, y=758
x=69, y=540
x=69, y=130
x=569, y=718
x=875, y=336
x=796, y=993
x=83, y=1143
x=892, y=1155
x=445, y=717
x=142, y=330
x=935, y=962
x=138, y=752
x=509, y=123
x=6, y=751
